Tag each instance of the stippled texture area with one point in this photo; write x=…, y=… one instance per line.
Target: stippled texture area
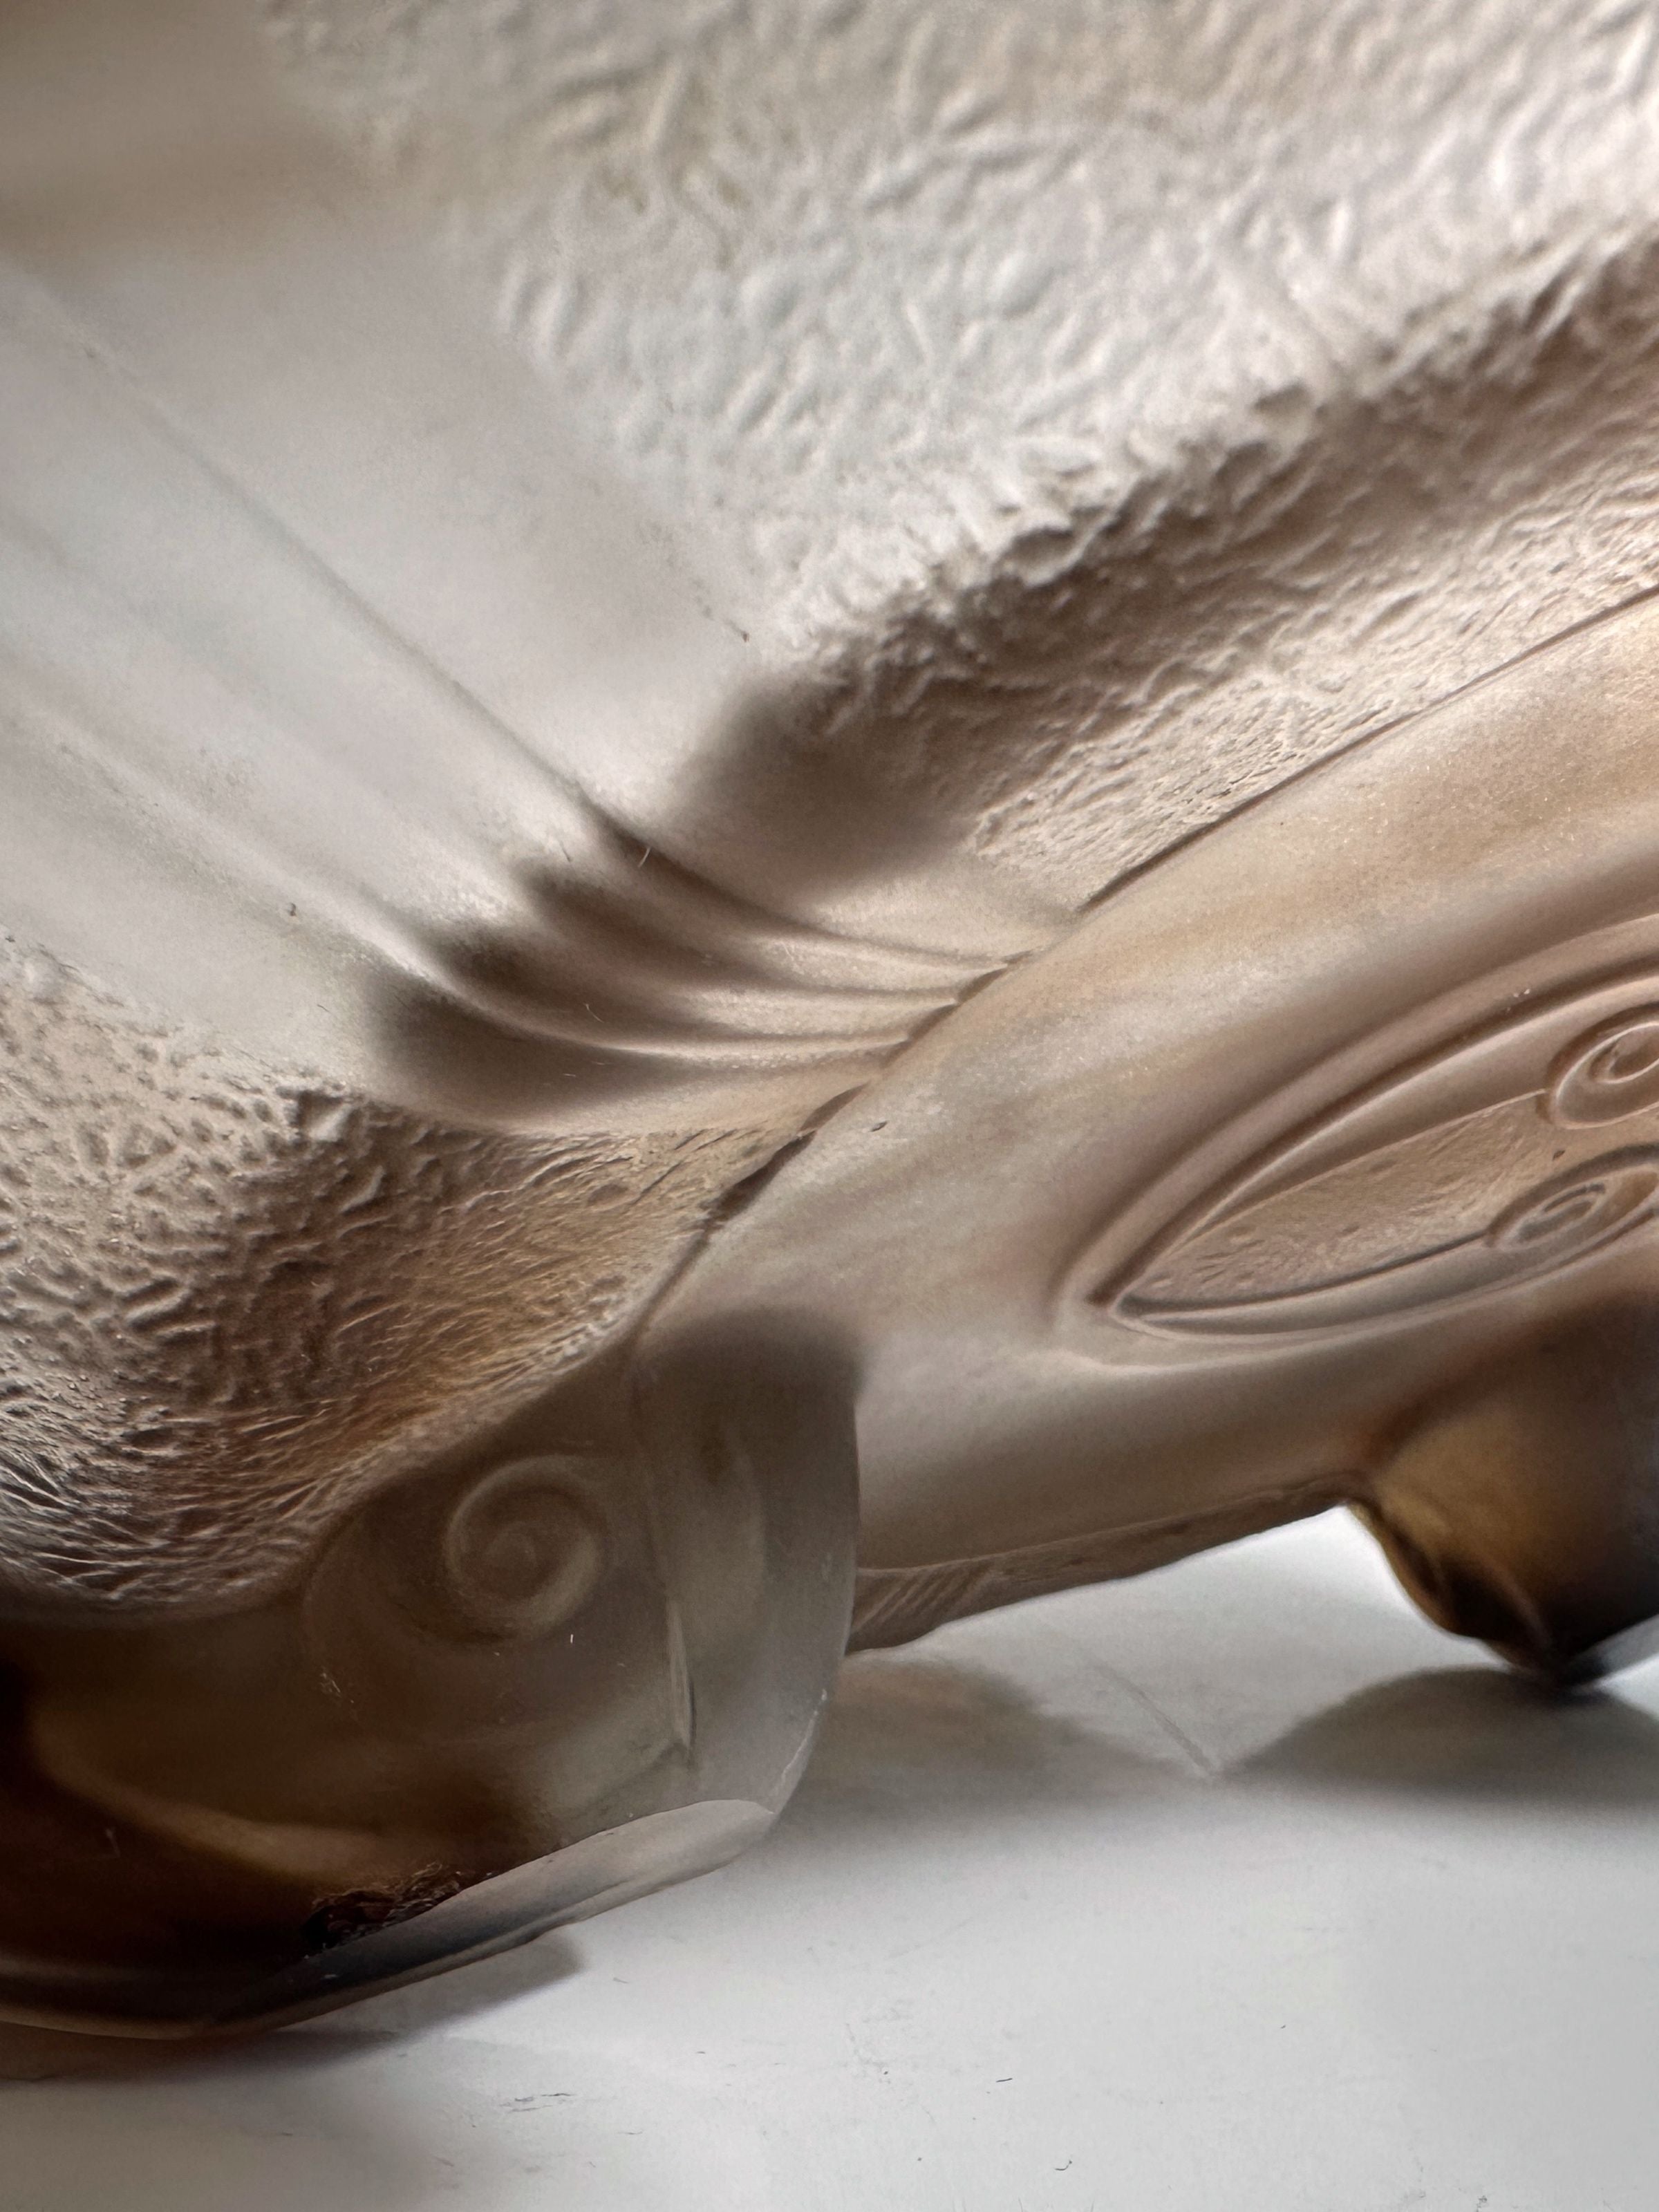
x=230, y=1305
x=1130, y=402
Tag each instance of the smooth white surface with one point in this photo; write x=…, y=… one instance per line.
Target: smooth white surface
x=1234, y=1888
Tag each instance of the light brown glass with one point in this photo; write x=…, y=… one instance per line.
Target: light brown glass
x=712, y=945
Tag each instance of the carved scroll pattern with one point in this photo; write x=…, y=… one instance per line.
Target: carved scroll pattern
x=1513, y=1151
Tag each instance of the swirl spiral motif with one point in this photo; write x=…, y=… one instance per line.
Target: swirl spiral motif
x=1609, y=1074
x=1580, y=1210
x=521, y=1553
x=452, y=1607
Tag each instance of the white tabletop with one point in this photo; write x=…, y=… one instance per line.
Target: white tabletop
x=1234, y=1888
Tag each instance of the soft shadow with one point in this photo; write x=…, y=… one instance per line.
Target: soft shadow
x=907, y=1742
x=1476, y=1733
x=461, y=1993
x=39, y=2054
x=76, y=2108
x=313, y=2114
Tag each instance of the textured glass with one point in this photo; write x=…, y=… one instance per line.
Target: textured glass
x=809, y=815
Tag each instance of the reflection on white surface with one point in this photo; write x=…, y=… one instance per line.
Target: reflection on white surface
x=1237, y=1887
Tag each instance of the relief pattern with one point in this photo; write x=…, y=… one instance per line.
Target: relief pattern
x=1507, y=1154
